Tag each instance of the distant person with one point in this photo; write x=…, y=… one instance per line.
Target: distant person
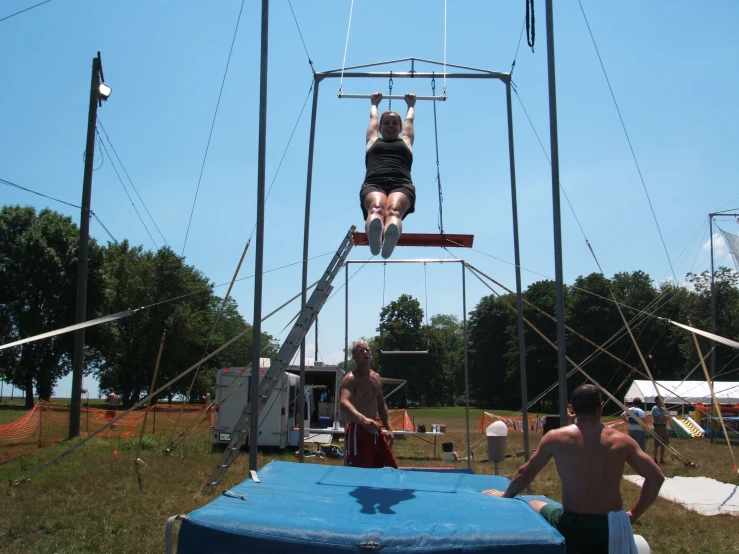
x=636, y=431
x=660, y=418
x=207, y=398
x=388, y=194
x=112, y=405
x=362, y=402
x=590, y=462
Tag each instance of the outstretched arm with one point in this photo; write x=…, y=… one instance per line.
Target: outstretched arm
x=374, y=123
x=528, y=471
x=653, y=479
x=408, y=130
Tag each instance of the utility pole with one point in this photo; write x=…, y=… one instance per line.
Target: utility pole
x=98, y=93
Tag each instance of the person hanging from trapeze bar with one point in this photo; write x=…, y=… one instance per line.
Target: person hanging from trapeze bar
x=387, y=194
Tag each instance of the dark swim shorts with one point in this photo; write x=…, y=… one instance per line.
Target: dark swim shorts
x=391, y=185
x=583, y=533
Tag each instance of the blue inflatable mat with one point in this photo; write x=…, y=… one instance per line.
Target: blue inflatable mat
x=310, y=508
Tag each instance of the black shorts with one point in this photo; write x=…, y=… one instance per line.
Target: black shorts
x=386, y=187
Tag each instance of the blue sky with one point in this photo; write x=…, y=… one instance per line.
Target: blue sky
x=672, y=67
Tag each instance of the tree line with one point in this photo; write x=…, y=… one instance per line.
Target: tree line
x=38, y=272
x=38, y=275
x=592, y=314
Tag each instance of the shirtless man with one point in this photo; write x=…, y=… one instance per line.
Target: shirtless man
x=590, y=461
x=362, y=401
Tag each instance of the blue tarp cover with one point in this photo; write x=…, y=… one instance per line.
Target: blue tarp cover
x=310, y=508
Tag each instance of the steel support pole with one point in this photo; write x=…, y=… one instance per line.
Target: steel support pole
x=466, y=366
x=713, y=312
x=259, y=252
x=558, y=273
x=346, y=317
x=306, y=241
x=78, y=354
x=519, y=296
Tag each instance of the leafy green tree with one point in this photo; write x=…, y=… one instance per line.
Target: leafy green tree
x=180, y=301
x=541, y=359
x=491, y=325
x=447, y=349
x=401, y=328
x=697, y=311
x=38, y=276
x=143, y=278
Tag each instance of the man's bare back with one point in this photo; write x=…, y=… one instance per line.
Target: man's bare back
x=590, y=461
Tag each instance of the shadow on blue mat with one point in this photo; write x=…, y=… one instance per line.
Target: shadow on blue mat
x=374, y=500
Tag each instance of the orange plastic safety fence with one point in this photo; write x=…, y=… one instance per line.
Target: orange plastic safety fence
x=48, y=423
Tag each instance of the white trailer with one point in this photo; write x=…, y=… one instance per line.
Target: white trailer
x=279, y=422
x=232, y=396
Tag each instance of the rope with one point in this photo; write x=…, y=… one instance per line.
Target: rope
x=212, y=126
x=602, y=349
x=389, y=92
x=628, y=140
x=215, y=323
x=440, y=222
x=136, y=459
x=530, y=25
x=89, y=323
x=22, y=11
x=310, y=62
x=346, y=47
x=426, y=302
x=518, y=47
x=716, y=405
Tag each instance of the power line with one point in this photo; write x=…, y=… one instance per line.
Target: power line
x=212, y=126
x=100, y=221
x=129, y=196
x=546, y=155
x=628, y=140
x=23, y=11
x=130, y=181
x=11, y=184
x=104, y=227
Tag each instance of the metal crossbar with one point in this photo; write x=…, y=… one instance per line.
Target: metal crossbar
x=287, y=352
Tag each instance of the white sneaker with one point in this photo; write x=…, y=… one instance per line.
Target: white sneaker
x=392, y=234
x=374, y=234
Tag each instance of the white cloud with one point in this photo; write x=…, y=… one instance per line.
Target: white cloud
x=719, y=245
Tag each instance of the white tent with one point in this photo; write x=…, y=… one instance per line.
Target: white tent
x=682, y=392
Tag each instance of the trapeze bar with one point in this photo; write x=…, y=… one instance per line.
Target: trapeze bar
x=422, y=239
x=404, y=352
x=392, y=96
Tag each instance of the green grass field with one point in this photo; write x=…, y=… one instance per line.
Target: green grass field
x=90, y=501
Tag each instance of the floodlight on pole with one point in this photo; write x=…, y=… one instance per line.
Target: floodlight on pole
x=104, y=91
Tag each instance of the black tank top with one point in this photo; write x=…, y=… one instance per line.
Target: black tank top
x=388, y=159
